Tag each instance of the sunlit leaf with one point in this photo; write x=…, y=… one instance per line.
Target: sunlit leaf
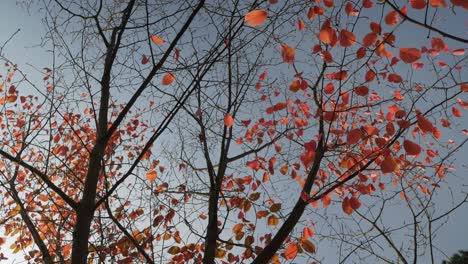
x=256, y=17
x=156, y=40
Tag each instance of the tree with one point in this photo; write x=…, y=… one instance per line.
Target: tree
x=213, y=131
x=457, y=258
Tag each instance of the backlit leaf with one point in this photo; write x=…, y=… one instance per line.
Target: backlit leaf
x=168, y=79
x=411, y=148
x=256, y=17
x=156, y=40
x=228, y=120
x=291, y=251
x=151, y=175
x=410, y=55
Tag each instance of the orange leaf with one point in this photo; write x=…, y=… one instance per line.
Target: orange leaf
x=151, y=175
x=287, y=53
x=327, y=35
x=256, y=17
x=389, y=165
x=291, y=251
x=168, y=78
x=411, y=148
x=418, y=4
x=300, y=25
x=307, y=232
x=157, y=40
x=409, y=55
x=284, y=169
x=347, y=38
x=266, y=177
x=328, y=3
x=437, y=3
x=391, y=18
x=228, y=120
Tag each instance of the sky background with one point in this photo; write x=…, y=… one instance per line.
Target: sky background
x=25, y=50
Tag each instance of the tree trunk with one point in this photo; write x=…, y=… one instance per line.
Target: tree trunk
x=212, y=230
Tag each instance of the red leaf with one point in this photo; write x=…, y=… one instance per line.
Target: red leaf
x=291, y=251
x=353, y=136
x=311, y=13
x=361, y=52
x=437, y=44
x=327, y=57
x=329, y=88
x=411, y=148
x=287, y=53
x=389, y=165
x=361, y=90
x=327, y=34
x=254, y=165
x=355, y=203
x=424, y=124
x=256, y=17
x=350, y=10
x=409, y=55
x=307, y=232
x=367, y=3
x=391, y=18
x=369, y=39
x=346, y=206
x=370, y=76
x=458, y=52
x=168, y=78
x=418, y=4
x=464, y=87
x=144, y=59
x=341, y=75
x=300, y=25
x=228, y=120
x=394, y=78
x=437, y=3
x=456, y=112
x=376, y=28
x=462, y=3
x=347, y=38
x=328, y=3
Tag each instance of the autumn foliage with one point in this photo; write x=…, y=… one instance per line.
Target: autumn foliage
x=231, y=132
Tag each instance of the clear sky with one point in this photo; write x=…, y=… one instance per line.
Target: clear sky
x=25, y=49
